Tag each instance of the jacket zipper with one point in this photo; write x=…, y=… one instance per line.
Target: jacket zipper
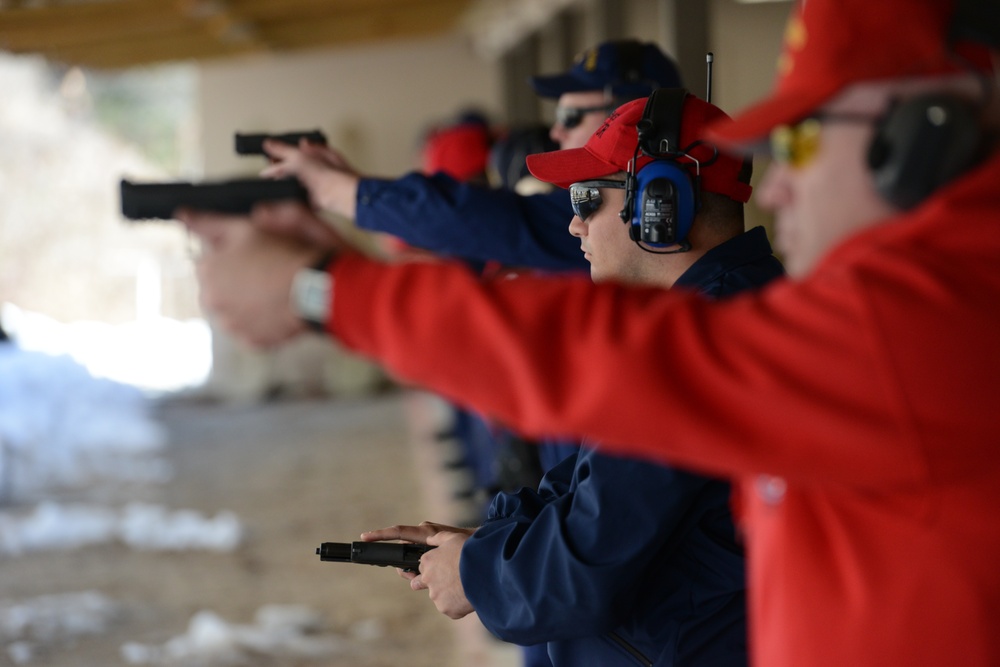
x=633, y=651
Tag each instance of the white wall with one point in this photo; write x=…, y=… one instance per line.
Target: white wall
x=746, y=40
x=372, y=101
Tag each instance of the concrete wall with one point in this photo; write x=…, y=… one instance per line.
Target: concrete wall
x=373, y=102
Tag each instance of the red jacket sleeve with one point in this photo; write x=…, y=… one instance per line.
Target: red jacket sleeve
x=762, y=383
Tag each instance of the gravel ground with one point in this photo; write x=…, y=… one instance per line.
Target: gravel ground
x=296, y=473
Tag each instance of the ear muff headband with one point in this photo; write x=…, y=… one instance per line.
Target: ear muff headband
x=977, y=20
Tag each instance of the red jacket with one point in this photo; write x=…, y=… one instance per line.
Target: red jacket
x=859, y=410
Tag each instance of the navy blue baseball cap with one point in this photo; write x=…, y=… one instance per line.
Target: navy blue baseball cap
x=626, y=68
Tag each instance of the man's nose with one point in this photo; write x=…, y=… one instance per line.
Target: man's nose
x=577, y=227
x=775, y=189
x=557, y=133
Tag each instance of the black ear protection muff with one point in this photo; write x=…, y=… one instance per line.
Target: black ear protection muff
x=661, y=199
x=923, y=143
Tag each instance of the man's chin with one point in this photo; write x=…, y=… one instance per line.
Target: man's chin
x=787, y=247
x=797, y=264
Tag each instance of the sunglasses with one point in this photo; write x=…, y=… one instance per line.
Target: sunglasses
x=797, y=145
x=585, y=196
x=570, y=117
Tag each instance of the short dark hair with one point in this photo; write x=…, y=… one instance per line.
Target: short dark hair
x=720, y=213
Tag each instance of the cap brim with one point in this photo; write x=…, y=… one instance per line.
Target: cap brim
x=559, y=84
x=752, y=126
x=563, y=168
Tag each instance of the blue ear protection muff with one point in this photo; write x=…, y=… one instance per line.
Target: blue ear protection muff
x=664, y=208
x=661, y=199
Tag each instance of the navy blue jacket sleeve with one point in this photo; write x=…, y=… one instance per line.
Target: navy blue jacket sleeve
x=575, y=553
x=445, y=216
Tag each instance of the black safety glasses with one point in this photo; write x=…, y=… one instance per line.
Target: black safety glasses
x=570, y=117
x=585, y=196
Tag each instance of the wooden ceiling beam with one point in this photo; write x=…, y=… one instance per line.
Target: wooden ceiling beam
x=47, y=29
x=167, y=47
x=403, y=22
x=85, y=14
x=47, y=36
x=124, y=33
x=268, y=9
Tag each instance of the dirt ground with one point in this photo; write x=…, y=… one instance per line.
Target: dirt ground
x=296, y=473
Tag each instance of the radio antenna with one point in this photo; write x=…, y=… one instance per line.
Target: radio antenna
x=709, y=58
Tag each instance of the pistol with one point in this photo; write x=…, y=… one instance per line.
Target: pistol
x=384, y=554
x=158, y=201
x=253, y=144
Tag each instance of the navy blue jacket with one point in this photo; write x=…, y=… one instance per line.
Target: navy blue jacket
x=448, y=217
x=616, y=561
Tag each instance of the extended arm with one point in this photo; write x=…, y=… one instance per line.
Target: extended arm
x=438, y=213
x=761, y=383
x=445, y=216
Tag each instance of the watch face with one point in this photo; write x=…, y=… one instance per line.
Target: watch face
x=311, y=295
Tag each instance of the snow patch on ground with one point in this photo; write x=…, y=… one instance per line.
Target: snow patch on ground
x=140, y=526
x=285, y=631
x=26, y=626
x=62, y=427
x=75, y=411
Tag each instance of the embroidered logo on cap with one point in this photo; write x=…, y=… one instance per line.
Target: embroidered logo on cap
x=795, y=40
x=607, y=123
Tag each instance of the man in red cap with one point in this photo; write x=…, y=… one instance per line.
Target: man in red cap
x=613, y=560
x=855, y=405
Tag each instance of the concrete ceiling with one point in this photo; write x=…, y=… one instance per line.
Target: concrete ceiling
x=112, y=34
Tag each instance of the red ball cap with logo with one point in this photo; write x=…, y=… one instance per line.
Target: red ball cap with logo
x=610, y=149
x=831, y=44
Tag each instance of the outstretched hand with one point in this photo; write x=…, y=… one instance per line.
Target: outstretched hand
x=331, y=181
x=245, y=276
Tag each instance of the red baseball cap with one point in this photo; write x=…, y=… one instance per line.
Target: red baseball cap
x=461, y=151
x=610, y=149
x=831, y=44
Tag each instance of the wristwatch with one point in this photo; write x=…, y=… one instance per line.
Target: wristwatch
x=311, y=293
